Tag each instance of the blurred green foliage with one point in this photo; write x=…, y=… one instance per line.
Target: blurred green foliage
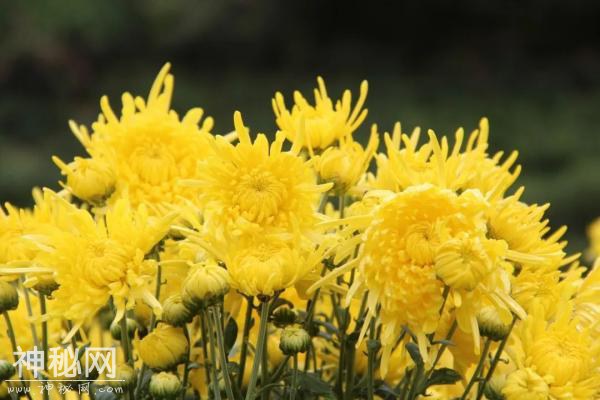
x=531, y=70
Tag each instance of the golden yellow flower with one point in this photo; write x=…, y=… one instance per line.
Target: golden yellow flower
x=205, y=282
x=164, y=347
x=320, y=125
x=89, y=179
x=253, y=185
x=587, y=300
x=593, y=234
x=345, y=164
x=149, y=148
x=553, y=357
x=526, y=384
x=435, y=162
x=412, y=239
x=264, y=265
x=94, y=260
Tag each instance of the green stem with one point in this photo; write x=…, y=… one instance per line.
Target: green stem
x=264, y=369
x=186, y=370
x=245, y=336
x=294, y=378
x=30, y=314
x=11, y=335
x=350, y=355
x=213, y=361
x=127, y=354
x=43, y=312
x=478, y=369
x=44, y=329
x=262, y=336
x=223, y=356
x=156, y=294
x=496, y=359
x=370, y=361
x=438, y=356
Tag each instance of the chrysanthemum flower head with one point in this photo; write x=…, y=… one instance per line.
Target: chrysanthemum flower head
x=320, y=125
x=345, y=164
x=149, y=149
x=407, y=162
x=94, y=260
x=593, y=234
x=89, y=179
x=554, y=351
x=254, y=185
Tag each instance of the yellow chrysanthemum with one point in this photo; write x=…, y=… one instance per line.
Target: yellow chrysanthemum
x=593, y=233
x=320, y=125
x=415, y=243
x=434, y=162
x=587, y=300
x=553, y=357
x=527, y=233
x=149, y=149
x=345, y=164
x=253, y=185
x=264, y=264
x=94, y=260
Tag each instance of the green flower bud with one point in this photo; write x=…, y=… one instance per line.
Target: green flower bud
x=6, y=370
x=490, y=324
x=46, y=285
x=115, y=328
x=284, y=316
x=9, y=297
x=165, y=386
x=493, y=388
x=294, y=340
x=205, y=284
x=175, y=312
x=125, y=377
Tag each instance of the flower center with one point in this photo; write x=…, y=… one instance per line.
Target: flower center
x=105, y=262
x=152, y=163
x=561, y=356
x=260, y=196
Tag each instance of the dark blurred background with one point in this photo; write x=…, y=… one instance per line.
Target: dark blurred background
x=532, y=67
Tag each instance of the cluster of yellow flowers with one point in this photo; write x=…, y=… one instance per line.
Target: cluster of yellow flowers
x=297, y=265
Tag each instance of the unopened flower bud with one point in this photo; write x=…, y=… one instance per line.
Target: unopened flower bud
x=115, y=328
x=164, y=347
x=493, y=388
x=88, y=179
x=204, y=284
x=175, y=312
x=125, y=377
x=284, y=316
x=490, y=324
x=6, y=370
x=45, y=284
x=165, y=386
x=294, y=340
x=9, y=297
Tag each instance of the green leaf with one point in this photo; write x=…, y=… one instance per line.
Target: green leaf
x=415, y=354
x=443, y=376
x=231, y=332
x=312, y=384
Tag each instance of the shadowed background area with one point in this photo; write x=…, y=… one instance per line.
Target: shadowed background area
x=532, y=69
